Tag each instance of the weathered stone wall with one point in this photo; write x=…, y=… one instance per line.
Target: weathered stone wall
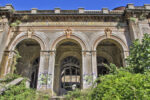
x=120, y=27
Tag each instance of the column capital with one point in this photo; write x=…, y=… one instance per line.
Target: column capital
x=88, y=52
x=51, y=52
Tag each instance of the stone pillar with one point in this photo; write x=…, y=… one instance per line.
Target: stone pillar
x=94, y=65
x=3, y=35
x=34, y=10
x=124, y=55
x=86, y=69
x=51, y=71
x=57, y=10
x=5, y=60
x=43, y=70
x=134, y=28
x=81, y=10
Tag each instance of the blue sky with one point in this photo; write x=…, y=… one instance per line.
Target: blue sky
x=70, y=4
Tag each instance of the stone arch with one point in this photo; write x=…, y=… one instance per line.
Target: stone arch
x=66, y=47
x=73, y=37
x=38, y=36
x=114, y=39
x=120, y=43
x=105, y=55
x=66, y=54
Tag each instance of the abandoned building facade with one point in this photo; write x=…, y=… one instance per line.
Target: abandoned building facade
x=62, y=49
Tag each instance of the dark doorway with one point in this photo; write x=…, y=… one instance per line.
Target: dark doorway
x=101, y=69
x=34, y=75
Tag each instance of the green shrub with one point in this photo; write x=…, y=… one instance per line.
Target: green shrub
x=139, y=58
x=79, y=95
x=123, y=86
x=19, y=92
x=9, y=77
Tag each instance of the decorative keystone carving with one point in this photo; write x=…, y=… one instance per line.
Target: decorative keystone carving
x=68, y=32
x=108, y=32
x=29, y=33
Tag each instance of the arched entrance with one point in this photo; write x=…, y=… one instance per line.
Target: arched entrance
x=28, y=64
x=67, y=66
x=108, y=51
x=70, y=73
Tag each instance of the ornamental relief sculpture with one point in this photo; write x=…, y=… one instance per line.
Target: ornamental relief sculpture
x=29, y=33
x=108, y=32
x=68, y=32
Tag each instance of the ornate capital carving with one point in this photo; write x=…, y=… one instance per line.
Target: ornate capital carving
x=108, y=32
x=68, y=32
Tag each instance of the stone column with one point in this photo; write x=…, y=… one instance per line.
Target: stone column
x=134, y=29
x=4, y=63
x=4, y=33
x=51, y=71
x=125, y=54
x=43, y=70
x=86, y=69
x=94, y=65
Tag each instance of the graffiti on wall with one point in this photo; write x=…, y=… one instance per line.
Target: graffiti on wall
x=88, y=79
x=45, y=79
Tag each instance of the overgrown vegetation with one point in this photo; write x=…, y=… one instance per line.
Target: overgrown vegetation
x=8, y=78
x=123, y=86
x=14, y=62
x=79, y=94
x=16, y=23
x=139, y=59
x=128, y=83
x=20, y=91
x=133, y=19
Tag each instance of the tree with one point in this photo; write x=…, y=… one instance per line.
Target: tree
x=139, y=58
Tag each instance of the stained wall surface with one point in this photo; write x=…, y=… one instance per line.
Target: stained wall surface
x=91, y=36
